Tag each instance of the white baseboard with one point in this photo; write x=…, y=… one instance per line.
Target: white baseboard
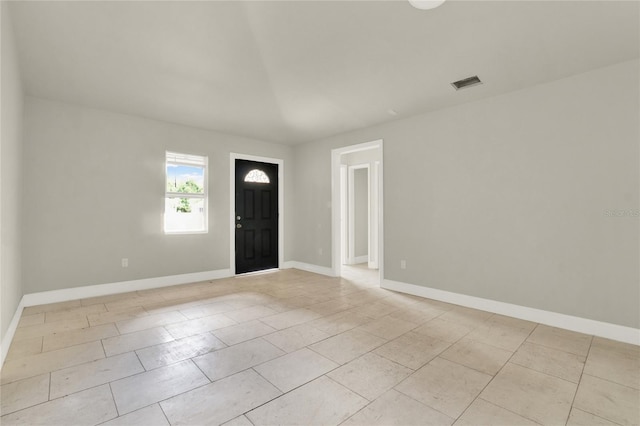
x=582, y=325
x=63, y=295
x=357, y=260
x=11, y=331
x=361, y=259
x=322, y=270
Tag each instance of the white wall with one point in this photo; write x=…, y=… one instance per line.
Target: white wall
x=367, y=156
x=95, y=184
x=10, y=176
x=361, y=212
x=372, y=158
x=506, y=198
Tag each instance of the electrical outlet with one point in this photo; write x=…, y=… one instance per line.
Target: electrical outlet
x=125, y=262
x=403, y=264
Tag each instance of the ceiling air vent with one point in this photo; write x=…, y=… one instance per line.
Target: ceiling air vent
x=466, y=82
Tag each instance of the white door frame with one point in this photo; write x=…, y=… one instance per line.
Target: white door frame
x=344, y=215
x=351, y=258
x=232, y=205
x=336, y=206
x=374, y=194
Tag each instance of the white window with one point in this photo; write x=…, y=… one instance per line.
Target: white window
x=256, y=176
x=185, y=208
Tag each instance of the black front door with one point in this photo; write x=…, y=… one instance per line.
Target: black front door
x=256, y=216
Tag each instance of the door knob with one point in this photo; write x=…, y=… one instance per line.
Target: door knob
x=239, y=225
x=238, y=217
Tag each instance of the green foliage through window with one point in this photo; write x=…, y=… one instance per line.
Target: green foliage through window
x=186, y=195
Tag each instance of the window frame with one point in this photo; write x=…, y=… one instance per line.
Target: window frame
x=191, y=160
x=261, y=174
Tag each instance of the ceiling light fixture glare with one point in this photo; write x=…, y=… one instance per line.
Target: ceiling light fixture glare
x=426, y=4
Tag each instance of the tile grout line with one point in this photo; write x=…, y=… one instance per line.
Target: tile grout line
x=597, y=416
x=58, y=398
x=438, y=356
x=103, y=349
x=163, y=413
x=612, y=382
x=140, y=361
x=372, y=351
x=113, y=398
x=58, y=369
x=575, y=394
x=493, y=378
x=199, y=369
x=311, y=349
x=189, y=390
x=248, y=419
x=49, y=395
x=561, y=350
x=272, y=399
x=162, y=400
x=547, y=373
x=345, y=331
x=422, y=403
x=356, y=392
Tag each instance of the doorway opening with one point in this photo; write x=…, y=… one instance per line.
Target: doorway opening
x=357, y=225
x=256, y=219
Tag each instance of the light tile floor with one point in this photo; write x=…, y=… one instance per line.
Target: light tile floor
x=291, y=347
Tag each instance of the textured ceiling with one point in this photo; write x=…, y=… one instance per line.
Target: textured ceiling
x=296, y=71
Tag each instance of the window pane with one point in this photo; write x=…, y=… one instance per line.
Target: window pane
x=184, y=214
x=185, y=179
x=185, y=198
x=257, y=176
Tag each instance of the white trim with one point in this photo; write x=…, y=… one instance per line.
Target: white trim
x=259, y=272
x=203, y=161
x=63, y=295
x=322, y=270
x=11, y=331
x=66, y=294
x=232, y=203
x=185, y=232
x=352, y=259
x=344, y=215
x=369, y=201
x=351, y=219
x=336, y=249
x=581, y=325
x=361, y=259
x=380, y=233
x=374, y=224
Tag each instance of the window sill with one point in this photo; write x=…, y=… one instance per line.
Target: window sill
x=185, y=232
